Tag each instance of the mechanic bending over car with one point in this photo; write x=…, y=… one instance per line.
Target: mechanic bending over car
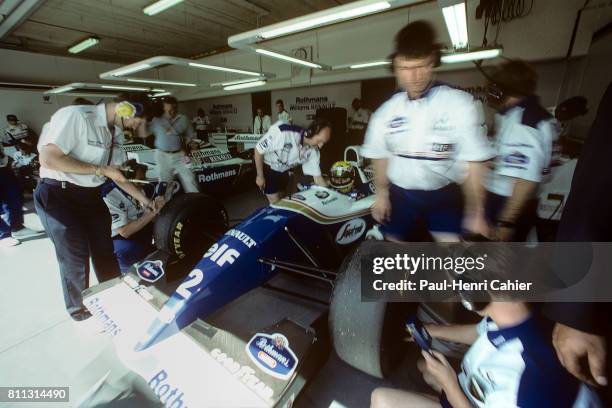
x=79, y=149
x=284, y=147
x=132, y=225
x=524, y=134
x=511, y=361
x=173, y=132
x=420, y=141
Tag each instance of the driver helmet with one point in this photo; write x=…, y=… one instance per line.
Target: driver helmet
x=342, y=176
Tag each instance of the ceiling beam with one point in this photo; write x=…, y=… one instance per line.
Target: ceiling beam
x=17, y=15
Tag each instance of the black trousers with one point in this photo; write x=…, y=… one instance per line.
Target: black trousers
x=79, y=225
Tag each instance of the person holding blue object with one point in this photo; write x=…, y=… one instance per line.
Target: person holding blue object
x=423, y=142
x=511, y=361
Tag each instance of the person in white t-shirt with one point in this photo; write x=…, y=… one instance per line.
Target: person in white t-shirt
x=283, y=115
x=201, y=123
x=261, y=123
x=284, y=147
x=427, y=143
x=80, y=148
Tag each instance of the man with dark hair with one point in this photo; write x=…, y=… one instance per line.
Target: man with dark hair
x=283, y=115
x=173, y=132
x=524, y=135
x=422, y=141
x=80, y=148
x=284, y=147
x=18, y=134
x=357, y=122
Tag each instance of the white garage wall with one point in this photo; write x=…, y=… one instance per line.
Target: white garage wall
x=233, y=111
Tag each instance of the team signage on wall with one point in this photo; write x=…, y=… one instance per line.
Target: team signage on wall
x=302, y=103
x=233, y=112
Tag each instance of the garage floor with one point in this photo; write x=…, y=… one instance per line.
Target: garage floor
x=40, y=346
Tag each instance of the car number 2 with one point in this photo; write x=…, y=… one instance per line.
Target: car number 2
x=195, y=277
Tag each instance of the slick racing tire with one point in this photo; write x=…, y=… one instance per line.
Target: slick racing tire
x=189, y=224
x=366, y=335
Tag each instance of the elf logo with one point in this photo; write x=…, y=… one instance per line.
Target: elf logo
x=351, y=231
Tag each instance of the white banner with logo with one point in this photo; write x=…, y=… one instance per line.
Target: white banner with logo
x=302, y=103
x=233, y=112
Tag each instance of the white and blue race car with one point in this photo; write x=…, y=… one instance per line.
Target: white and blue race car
x=244, y=325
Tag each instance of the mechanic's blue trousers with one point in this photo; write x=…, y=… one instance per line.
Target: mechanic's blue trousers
x=79, y=225
x=11, y=203
x=133, y=249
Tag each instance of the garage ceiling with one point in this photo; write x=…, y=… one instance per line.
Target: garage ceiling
x=190, y=29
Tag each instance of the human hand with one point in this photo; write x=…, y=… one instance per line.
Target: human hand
x=438, y=367
x=113, y=173
x=381, y=210
x=159, y=203
x=573, y=346
x=261, y=182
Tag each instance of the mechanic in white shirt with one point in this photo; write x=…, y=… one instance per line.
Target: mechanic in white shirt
x=17, y=133
x=261, y=123
x=283, y=115
x=423, y=141
x=80, y=149
x=201, y=124
x=132, y=225
x=525, y=132
x=284, y=147
x=511, y=361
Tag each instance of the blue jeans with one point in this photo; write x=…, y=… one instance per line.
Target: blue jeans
x=11, y=203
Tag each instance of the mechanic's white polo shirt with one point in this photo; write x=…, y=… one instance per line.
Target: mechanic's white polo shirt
x=283, y=150
x=428, y=140
x=524, y=138
x=517, y=367
x=81, y=132
x=123, y=209
x=284, y=117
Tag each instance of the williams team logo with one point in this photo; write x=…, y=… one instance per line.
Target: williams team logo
x=272, y=354
x=397, y=122
x=351, y=231
x=322, y=194
x=151, y=271
x=516, y=158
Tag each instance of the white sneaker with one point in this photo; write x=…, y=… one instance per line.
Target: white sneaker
x=25, y=233
x=9, y=242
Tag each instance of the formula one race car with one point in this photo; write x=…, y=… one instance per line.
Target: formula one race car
x=216, y=168
x=247, y=325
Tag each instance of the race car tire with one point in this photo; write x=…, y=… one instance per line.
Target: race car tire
x=366, y=335
x=189, y=224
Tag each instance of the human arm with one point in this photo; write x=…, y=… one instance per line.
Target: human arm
x=260, y=180
x=459, y=333
x=149, y=215
x=443, y=373
x=320, y=181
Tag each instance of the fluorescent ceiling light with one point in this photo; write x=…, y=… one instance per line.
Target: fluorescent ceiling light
x=125, y=88
x=83, y=45
x=155, y=81
x=244, y=85
x=287, y=58
x=471, y=56
x=456, y=23
x=132, y=69
x=370, y=64
x=157, y=95
x=330, y=18
x=238, y=81
x=60, y=89
x=217, y=68
x=160, y=6
x=158, y=90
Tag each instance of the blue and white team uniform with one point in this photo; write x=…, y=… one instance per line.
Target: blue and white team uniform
x=123, y=210
x=283, y=148
x=427, y=142
x=524, y=139
x=517, y=367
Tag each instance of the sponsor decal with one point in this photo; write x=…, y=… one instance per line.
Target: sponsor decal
x=242, y=237
x=115, y=217
x=322, y=194
x=443, y=124
x=167, y=393
x=96, y=308
x=220, y=175
x=372, y=187
x=244, y=373
x=331, y=200
x=298, y=197
x=516, y=158
x=351, y=231
x=151, y=271
x=397, y=121
x=272, y=354
x=121, y=205
x=442, y=147
x=222, y=254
